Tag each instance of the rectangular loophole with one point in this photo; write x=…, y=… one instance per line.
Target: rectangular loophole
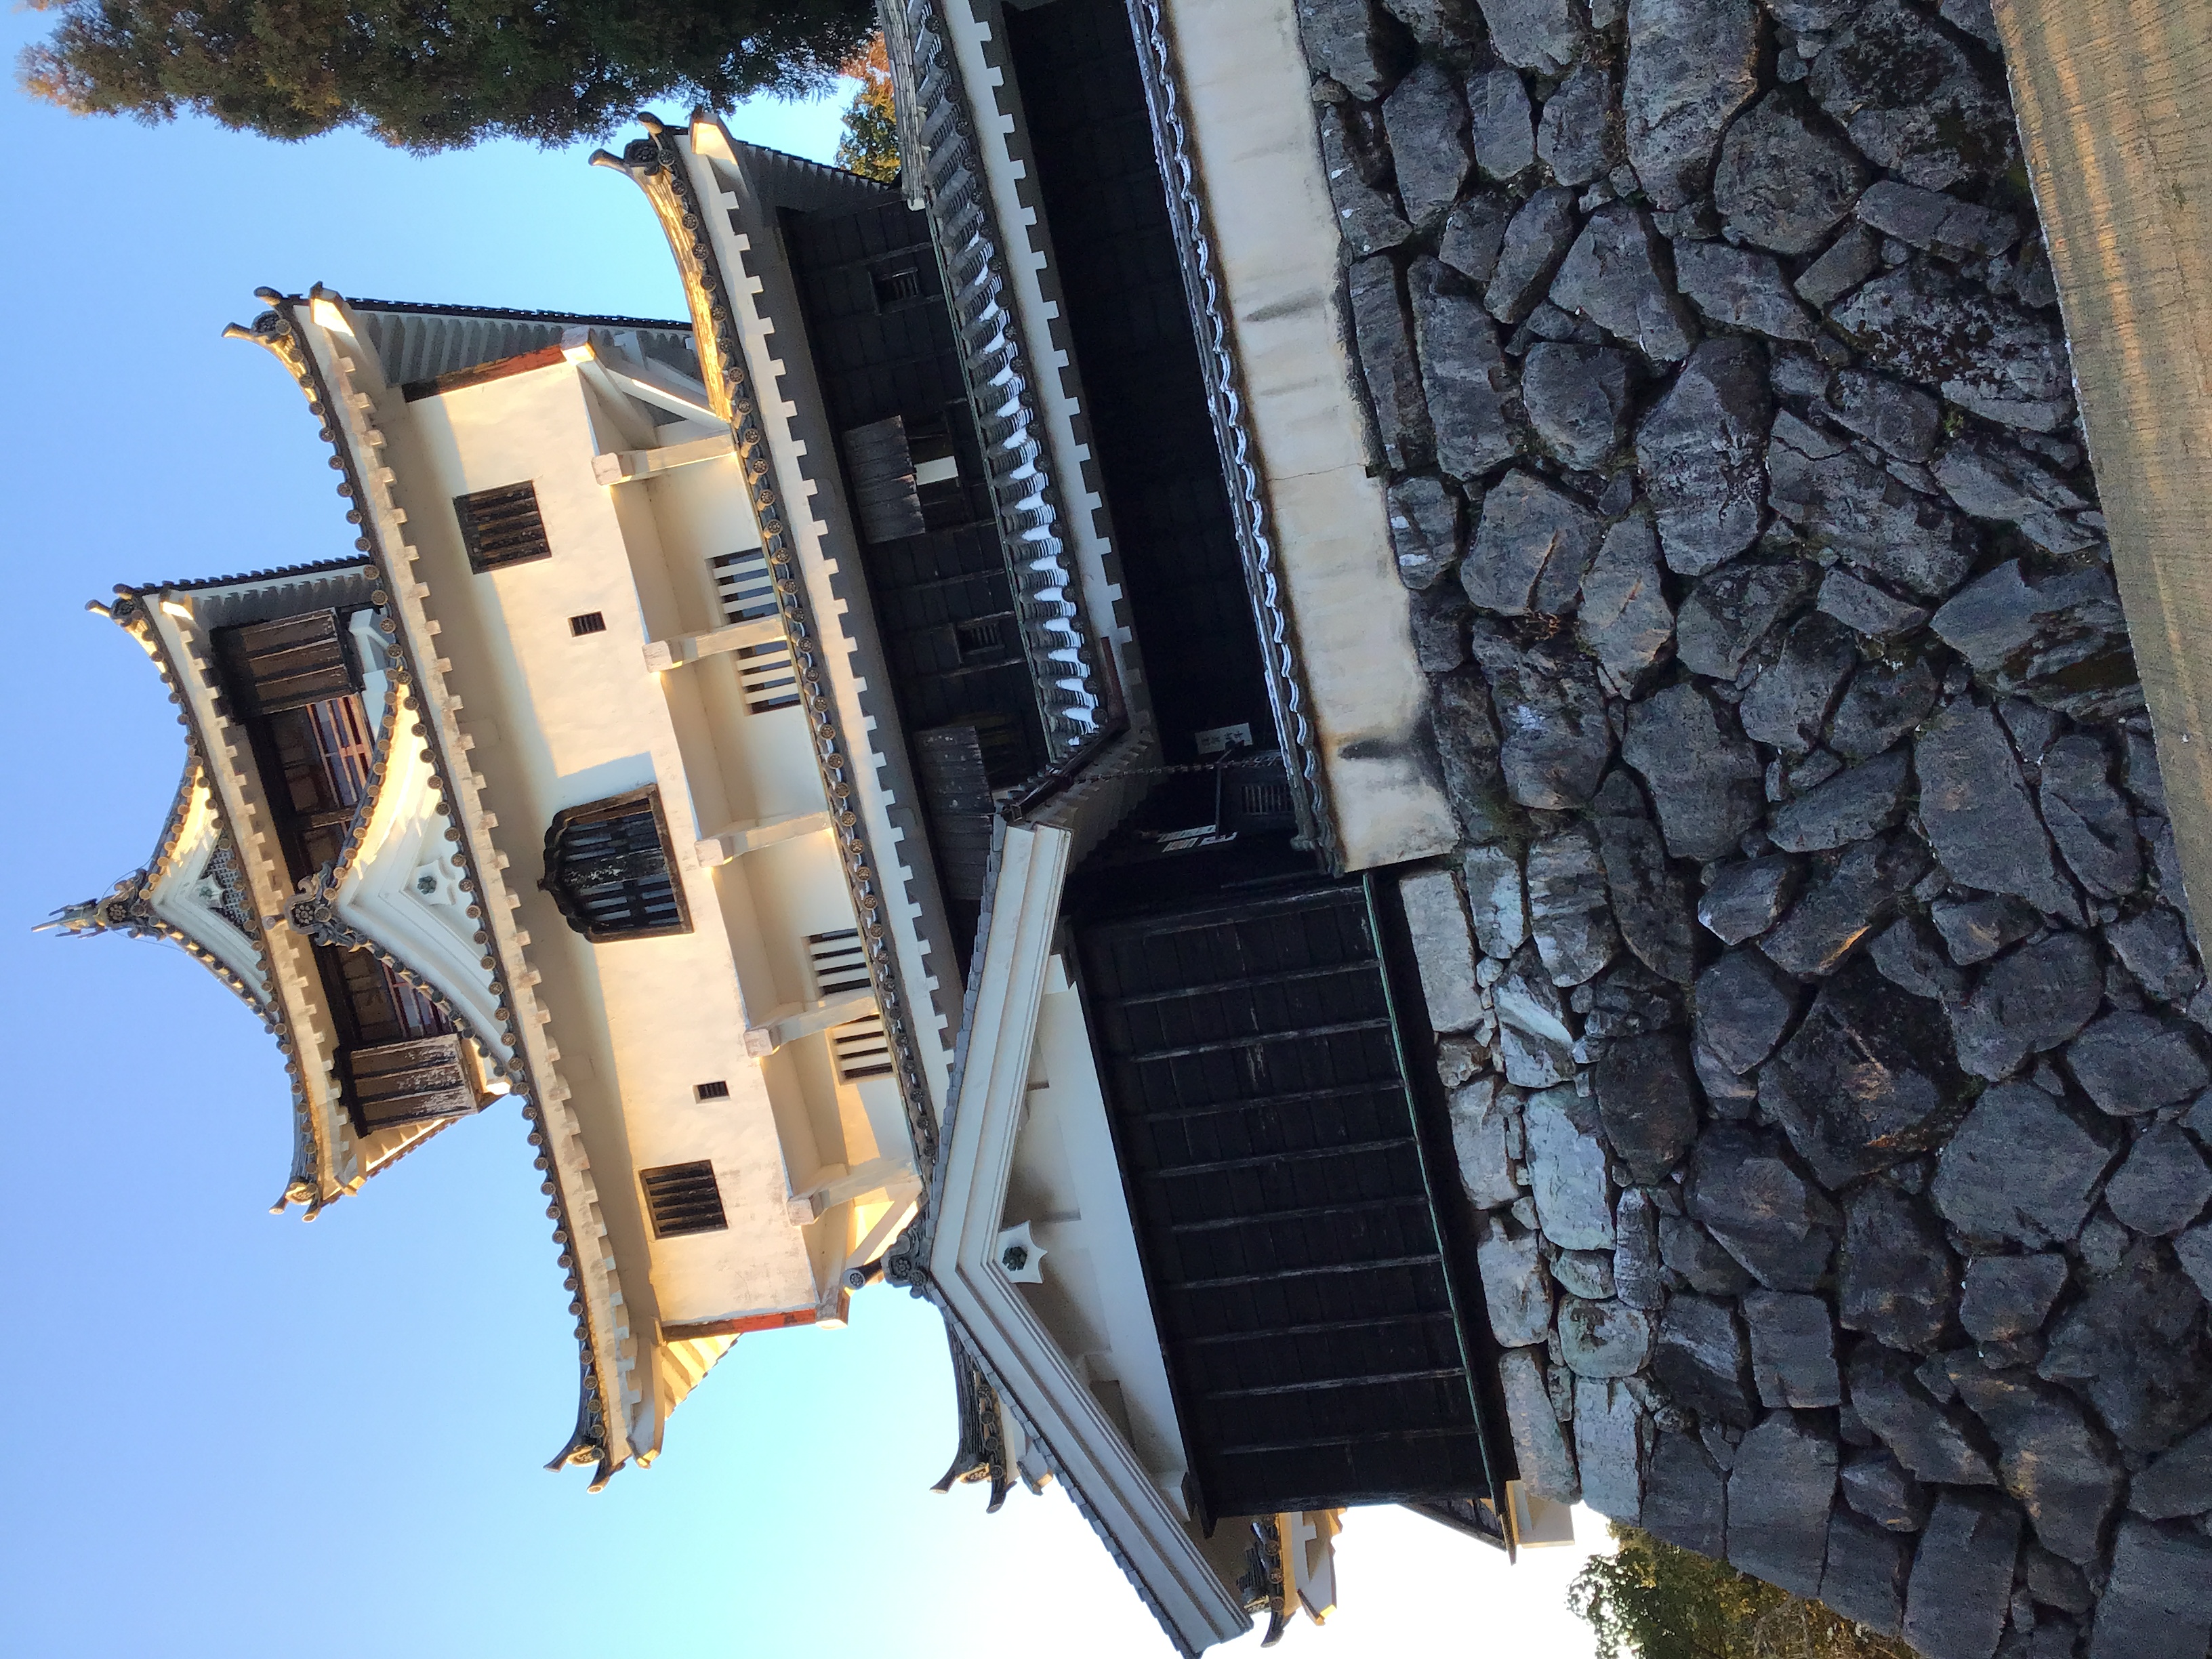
x=718, y=1089
x=861, y=1049
x=840, y=961
x=501, y=527
x=684, y=1198
x=590, y=623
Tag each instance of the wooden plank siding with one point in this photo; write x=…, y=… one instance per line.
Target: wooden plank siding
x=1306, y=1288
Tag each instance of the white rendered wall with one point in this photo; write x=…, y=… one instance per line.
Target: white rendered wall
x=560, y=721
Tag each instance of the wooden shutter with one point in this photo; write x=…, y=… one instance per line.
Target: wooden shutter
x=682, y=1198
x=956, y=791
x=880, y=468
x=407, y=1082
x=502, y=526
x=286, y=663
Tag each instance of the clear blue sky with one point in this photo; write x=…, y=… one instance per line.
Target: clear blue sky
x=239, y=1436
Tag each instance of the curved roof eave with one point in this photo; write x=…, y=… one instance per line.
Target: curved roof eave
x=324, y=1162
x=520, y=1051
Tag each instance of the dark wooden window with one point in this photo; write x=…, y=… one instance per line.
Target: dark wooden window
x=379, y=1006
x=322, y=753
x=270, y=666
x=502, y=526
x=294, y=683
x=718, y=1089
x=895, y=285
x=984, y=639
x=400, y=1058
x=682, y=1198
x=407, y=1082
x=611, y=870
x=591, y=622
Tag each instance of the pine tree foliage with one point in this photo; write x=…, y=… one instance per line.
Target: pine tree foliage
x=1652, y=1600
x=431, y=75
x=870, y=146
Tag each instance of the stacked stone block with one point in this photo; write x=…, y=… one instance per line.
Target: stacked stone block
x=1824, y=1021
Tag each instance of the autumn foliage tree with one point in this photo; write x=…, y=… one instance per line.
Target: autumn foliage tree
x=1652, y=1600
x=870, y=146
x=430, y=74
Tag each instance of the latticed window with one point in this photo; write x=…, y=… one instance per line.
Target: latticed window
x=611, y=870
x=840, y=961
x=747, y=591
x=682, y=1198
x=377, y=1006
x=861, y=1049
x=502, y=526
x=746, y=588
x=231, y=900
x=343, y=747
x=770, y=681
x=896, y=284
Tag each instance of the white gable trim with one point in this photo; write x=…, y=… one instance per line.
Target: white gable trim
x=184, y=891
x=1088, y=1450
x=404, y=883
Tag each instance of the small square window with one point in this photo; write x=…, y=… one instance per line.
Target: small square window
x=718, y=1089
x=590, y=623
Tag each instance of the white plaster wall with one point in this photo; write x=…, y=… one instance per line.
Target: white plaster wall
x=558, y=721
x=778, y=365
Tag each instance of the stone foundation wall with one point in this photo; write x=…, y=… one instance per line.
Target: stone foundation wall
x=1826, y=1030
